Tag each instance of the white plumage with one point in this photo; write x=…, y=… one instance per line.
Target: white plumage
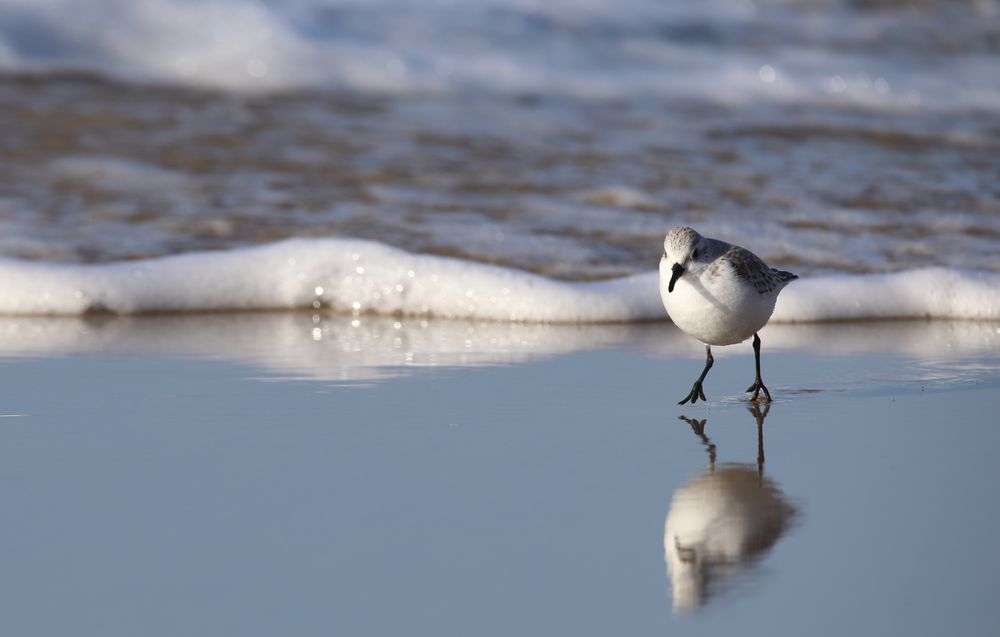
x=719, y=293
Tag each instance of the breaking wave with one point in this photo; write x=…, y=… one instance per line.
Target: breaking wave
x=366, y=277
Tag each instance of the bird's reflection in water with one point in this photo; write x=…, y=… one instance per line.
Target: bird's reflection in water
x=721, y=522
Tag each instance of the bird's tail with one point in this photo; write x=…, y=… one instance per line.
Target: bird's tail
x=784, y=277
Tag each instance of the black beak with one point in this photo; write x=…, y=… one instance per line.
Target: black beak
x=678, y=270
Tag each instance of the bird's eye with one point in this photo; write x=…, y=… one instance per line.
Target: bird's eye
x=694, y=254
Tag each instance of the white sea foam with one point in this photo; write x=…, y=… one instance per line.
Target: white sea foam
x=932, y=293
x=344, y=275
x=117, y=174
x=360, y=277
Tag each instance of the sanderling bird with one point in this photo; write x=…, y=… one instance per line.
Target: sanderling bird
x=720, y=294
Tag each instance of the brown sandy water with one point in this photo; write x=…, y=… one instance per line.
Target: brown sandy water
x=96, y=171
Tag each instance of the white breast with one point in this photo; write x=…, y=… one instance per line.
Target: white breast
x=716, y=308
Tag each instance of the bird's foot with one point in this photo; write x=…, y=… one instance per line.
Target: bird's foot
x=756, y=388
x=696, y=393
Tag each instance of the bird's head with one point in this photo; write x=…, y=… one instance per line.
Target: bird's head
x=681, y=250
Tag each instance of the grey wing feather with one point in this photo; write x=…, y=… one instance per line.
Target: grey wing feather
x=749, y=267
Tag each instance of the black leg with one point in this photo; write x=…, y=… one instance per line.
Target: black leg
x=758, y=384
x=696, y=390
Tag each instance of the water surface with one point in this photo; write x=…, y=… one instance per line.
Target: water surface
x=181, y=485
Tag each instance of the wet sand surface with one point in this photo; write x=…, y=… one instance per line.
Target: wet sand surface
x=250, y=475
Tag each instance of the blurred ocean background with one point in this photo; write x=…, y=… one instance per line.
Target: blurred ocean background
x=832, y=137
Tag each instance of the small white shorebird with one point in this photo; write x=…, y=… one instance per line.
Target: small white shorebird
x=720, y=294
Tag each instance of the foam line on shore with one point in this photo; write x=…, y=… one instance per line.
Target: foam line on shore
x=356, y=276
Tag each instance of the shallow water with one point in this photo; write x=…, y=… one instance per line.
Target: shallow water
x=561, y=138
x=562, y=187
x=365, y=349
x=228, y=474
x=831, y=138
